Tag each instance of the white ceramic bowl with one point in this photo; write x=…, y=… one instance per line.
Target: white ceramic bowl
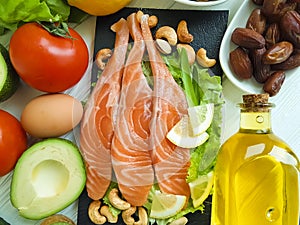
x=292, y=79
x=200, y=3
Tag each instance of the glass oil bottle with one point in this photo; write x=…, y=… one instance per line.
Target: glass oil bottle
x=256, y=173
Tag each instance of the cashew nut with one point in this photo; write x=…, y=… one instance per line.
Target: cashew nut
x=94, y=213
x=143, y=216
x=102, y=56
x=203, y=60
x=163, y=46
x=189, y=51
x=180, y=221
x=116, y=201
x=152, y=20
x=168, y=33
x=107, y=213
x=127, y=215
x=183, y=34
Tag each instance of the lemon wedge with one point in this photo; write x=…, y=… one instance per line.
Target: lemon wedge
x=201, y=117
x=200, y=188
x=166, y=205
x=182, y=134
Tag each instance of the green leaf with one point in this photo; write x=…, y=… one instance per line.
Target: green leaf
x=200, y=87
x=187, y=79
x=210, y=91
x=13, y=12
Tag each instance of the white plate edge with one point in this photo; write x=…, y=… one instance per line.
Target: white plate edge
x=203, y=4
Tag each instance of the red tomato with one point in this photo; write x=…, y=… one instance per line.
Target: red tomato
x=13, y=142
x=48, y=62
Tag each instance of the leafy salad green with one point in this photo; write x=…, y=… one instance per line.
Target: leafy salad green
x=12, y=12
x=15, y=12
x=200, y=87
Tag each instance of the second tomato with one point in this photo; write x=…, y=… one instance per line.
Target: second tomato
x=48, y=62
x=13, y=141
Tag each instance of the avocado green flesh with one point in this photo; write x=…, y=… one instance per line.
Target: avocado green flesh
x=48, y=177
x=9, y=79
x=3, y=71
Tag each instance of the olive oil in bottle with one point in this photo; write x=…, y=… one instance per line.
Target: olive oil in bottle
x=256, y=173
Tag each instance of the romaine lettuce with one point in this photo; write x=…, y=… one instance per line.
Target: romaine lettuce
x=13, y=12
x=201, y=86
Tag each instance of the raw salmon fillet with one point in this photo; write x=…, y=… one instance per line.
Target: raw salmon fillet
x=131, y=158
x=170, y=162
x=97, y=127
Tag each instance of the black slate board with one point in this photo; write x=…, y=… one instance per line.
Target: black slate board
x=196, y=218
x=208, y=28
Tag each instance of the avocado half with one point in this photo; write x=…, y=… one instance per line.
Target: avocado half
x=48, y=177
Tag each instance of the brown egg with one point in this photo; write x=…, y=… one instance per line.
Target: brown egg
x=51, y=115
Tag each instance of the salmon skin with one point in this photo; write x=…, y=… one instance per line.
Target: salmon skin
x=97, y=127
x=170, y=162
x=130, y=151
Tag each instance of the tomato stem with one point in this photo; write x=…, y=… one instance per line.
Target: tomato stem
x=60, y=29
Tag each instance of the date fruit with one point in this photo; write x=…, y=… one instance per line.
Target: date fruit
x=247, y=38
x=274, y=82
x=270, y=40
x=258, y=2
x=278, y=53
x=272, y=35
x=261, y=71
x=241, y=63
x=257, y=21
x=272, y=8
x=292, y=62
x=290, y=27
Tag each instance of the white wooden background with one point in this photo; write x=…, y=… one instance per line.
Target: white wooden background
x=286, y=119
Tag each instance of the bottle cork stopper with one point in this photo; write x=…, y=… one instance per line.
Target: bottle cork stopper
x=255, y=98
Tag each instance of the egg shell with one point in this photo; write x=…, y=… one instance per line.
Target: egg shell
x=51, y=115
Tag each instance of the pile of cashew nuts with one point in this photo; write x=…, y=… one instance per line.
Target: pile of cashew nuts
x=131, y=215
x=166, y=38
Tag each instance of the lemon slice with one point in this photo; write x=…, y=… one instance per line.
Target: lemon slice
x=182, y=134
x=201, y=117
x=166, y=205
x=200, y=188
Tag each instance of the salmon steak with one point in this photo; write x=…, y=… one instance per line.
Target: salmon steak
x=130, y=151
x=170, y=162
x=98, y=123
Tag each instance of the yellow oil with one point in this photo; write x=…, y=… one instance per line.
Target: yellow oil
x=256, y=177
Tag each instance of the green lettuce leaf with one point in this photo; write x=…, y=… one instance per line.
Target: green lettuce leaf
x=201, y=86
x=210, y=91
x=13, y=12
